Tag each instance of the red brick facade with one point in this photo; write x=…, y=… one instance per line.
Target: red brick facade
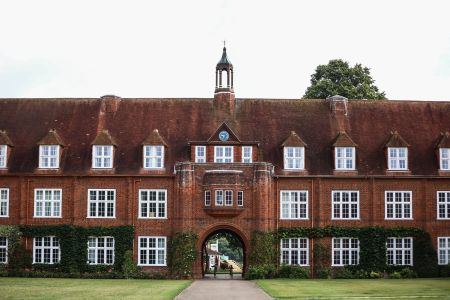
x=261, y=124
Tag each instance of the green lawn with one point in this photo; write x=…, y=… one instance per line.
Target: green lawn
x=47, y=288
x=357, y=289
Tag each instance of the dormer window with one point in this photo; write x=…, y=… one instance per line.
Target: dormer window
x=247, y=154
x=344, y=152
x=50, y=150
x=397, y=153
x=154, y=151
x=102, y=156
x=344, y=158
x=398, y=158
x=294, y=158
x=443, y=147
x=200, y=154
x=49, y=156
x=154, y=157
x=223, y=154
x=3, y=155
x=444, y=159
x=293, y=152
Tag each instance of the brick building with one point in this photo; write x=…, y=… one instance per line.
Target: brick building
x=224, y=163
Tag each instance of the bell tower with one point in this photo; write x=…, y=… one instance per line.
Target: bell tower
x=224, y=74
x=224, y=99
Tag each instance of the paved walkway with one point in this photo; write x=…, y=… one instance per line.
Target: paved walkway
x=207, y=289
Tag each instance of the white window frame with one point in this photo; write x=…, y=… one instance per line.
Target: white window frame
x=228, y=197
x=340, y=207
x=443, y=205
x=4, y=202
x=401, y=251
x=159, y=201
x=208, y=198
x=3, y=156
x=94, y=248
x=100, y=160
x=153, y=156
x=240, y=198
x=49, y=156
x=247, y=158
x=4, y=250
x=157, y=250
x=294, y=158
x=394, y=159
x=53, y=203
x=338, y=253
x=294, y=200
x=223, y=158
x=444, y=159
x=294, y=248
x=200, y=154
x=342, y=157
x=97, y=201
x=219, y=194
x=443, y=243
x=51, y=248
x=398, y=206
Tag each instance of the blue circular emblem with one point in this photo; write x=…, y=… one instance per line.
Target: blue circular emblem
x=224, y=136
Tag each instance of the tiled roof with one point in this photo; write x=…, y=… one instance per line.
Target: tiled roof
x=154, y=138
x=51, y=138
x=396, y=140
x=293, y=140
x=267, y=121
x=104, y=138
x=4, y=139
x=343, y=140
x=444, y=141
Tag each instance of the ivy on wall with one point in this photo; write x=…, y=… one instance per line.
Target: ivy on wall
x=73, y=245
x=182, y=254
x=372, y=241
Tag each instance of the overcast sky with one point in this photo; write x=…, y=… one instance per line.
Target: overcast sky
x=170, y=48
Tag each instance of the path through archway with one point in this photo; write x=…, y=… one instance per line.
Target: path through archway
x=223, y=255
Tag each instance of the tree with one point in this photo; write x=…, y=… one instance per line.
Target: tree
x=338, y=78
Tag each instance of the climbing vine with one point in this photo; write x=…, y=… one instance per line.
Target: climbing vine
x=73, y=245
x=372, y=241
x=182, y=254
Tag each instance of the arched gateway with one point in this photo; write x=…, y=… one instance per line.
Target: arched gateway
x=199, y=269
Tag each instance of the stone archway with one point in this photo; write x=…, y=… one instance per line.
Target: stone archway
x=244, y=239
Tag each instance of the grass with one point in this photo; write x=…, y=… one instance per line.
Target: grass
x=49, y=288
x=438, y=288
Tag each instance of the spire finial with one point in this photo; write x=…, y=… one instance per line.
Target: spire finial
x=224, y=41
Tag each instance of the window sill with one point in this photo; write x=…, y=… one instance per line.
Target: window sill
x=152, y=218
x=146, y=265
x=398, y=172
x=345, y=172
x=46, y=217
x=227, y=211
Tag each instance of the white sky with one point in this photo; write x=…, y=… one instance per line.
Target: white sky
x=170, y=48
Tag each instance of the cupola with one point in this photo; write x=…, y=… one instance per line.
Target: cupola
x=224, y=74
